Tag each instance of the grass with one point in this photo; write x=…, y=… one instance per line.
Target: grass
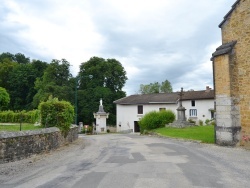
x=16, y=127
x=204, y=134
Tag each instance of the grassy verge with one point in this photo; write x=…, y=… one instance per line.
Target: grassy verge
x=16, y=127
x=204, y=134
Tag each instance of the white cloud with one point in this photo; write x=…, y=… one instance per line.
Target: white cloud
x=153, y=39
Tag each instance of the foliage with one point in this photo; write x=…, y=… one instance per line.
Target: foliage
x=19, y=58
x=21, y=86
x=153, y=120
x=210, y=122
x=56, y=113
x=56, y=81
x=4, y=98
x=191, y=121
x=21, y=116
x=164, y=87
x=17, y=76
x=108, y=79
x=202, y=133
x=16, y=127
x=200, y=122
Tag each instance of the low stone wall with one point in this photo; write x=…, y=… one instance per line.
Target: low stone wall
x=112, y=129
x=19, y=145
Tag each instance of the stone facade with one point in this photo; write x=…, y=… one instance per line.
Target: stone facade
x=232, y=77
x=19, y=145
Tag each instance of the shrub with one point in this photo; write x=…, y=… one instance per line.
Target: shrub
x=191, y=121
x=55, y=113
x=21, y=116
x=200, y=122
x=108, y=131
x=153, y=120
x=207, y=121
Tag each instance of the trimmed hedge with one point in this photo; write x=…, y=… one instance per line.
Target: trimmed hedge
x=22, y=116
x=55, y=113
x=154, y=120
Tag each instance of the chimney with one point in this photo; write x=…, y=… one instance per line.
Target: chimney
x=208, y=88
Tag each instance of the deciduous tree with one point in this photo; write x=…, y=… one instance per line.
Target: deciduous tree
x=4, y=98
x=108, y=79
x=164, y=87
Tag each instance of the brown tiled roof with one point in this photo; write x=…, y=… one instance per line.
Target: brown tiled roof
x=167, y=98
x=229, y=13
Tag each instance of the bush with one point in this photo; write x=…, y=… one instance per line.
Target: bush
x=200, y=122
x=191, y=121
x=55, y=113
x=153, y=120
x=21, y=116
x=108, y=131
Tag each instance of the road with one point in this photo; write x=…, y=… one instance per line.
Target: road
x=130, y=160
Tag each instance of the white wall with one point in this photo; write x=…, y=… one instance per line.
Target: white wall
x=202, y=107
x=127, y=114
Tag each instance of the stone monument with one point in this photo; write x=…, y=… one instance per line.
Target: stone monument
x=101, y=117
x=181, y=117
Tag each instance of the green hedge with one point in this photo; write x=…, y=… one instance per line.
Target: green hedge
x=55, y=113
x=153, y=120
x=21, y=116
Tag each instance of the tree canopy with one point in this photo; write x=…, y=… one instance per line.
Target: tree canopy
x=108, y=79
x=56, y=82
x=164, y=87
x=4, y=98
x=28, y=83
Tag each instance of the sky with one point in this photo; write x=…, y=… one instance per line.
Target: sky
x=154, y=40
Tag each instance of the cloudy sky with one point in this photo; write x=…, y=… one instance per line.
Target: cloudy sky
x=154, y=40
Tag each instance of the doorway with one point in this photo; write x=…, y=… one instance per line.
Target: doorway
x=136, y=127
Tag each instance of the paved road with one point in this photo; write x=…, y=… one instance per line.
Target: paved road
x=117, y=161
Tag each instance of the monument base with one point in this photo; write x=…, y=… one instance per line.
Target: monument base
x=180, y=124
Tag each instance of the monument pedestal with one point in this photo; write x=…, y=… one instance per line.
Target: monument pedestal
x=101, y=117
x=181, y=118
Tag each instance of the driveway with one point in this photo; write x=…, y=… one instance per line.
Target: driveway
x=130, y=160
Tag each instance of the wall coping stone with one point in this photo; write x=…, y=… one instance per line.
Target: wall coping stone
x=7, y=134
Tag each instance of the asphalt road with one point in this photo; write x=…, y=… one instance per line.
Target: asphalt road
x=129, y=160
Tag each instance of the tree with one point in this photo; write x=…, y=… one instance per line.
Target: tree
x=4, y=98
x=109, y=77
x=6, y=67
x=21, y=87
x=56, y=81
x=164, y=87
x=19, y=58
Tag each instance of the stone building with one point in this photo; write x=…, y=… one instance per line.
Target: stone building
x=231, y=67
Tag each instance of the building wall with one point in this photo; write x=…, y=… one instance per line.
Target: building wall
x=127, y=114
x=232, y=84
x=203, y=108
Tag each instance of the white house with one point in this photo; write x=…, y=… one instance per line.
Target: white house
x=199, y=106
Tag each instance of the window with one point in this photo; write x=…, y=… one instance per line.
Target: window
x=140, y=109
x=192, y=103
x=193, y=112
x=161, y=109
x=212, y=114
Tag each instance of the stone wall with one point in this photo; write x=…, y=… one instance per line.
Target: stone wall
x=232, y=76
x=112, y=129
x=19, y=145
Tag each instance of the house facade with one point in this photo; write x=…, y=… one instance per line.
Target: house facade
x=231, y=70
x=129, y=110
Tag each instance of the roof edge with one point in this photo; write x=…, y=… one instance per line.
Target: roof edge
x=223, y=49
x=229, y=13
